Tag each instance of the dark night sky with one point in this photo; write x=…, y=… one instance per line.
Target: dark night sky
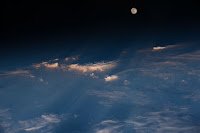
x=29, y=26
x=31, y=19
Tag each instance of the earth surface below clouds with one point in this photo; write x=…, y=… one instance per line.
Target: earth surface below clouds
x=154, y=89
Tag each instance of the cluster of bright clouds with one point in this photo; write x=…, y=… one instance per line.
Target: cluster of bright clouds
x=54, y=63
x=66, y=64
x=94, y=69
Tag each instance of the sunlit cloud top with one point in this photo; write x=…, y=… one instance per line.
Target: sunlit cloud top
x=164, y=47
x=158, y=48
x=92, y=67
x=111, y=78
x=54, y=65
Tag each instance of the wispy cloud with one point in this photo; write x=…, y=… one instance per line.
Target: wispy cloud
x=162, y=121
x=17, y=72
x=167, y=63
x=44, y=123
x=114, y=95
x=108, y=122
x=194, y=72
x=108, y=97
x=108, y=126
x=111, y=78
x=193, y=56
x=112, y=129
x=4, y=112
x=51, y=118
x=194, y=95
x=33, y=128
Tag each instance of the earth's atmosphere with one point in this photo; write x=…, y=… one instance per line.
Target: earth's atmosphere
x=151, y=89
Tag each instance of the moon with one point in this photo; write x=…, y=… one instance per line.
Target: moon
x=133, y=10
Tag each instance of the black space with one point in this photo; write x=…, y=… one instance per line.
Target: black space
x=29, y=21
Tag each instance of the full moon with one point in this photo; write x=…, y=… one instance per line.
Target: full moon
x=133, y=10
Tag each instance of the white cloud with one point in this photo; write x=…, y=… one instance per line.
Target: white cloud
x=33, y=128
x=165, y=47
x=108, y=122
x=51, y=118
x=92, y=67
x=111, y=78
x=158, y=48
